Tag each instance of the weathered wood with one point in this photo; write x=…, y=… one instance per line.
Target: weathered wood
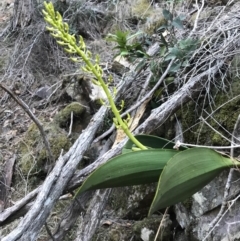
x=70, y=216
x=91, y=220
x=5, y=182
x=78, y=207
x=12, y=213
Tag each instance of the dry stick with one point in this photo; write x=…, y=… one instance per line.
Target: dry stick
x=70, y=126
x=236, y=135
x=221, y=217
x=49, y=232
x=140, y=102
x=71, y=215
x=33, y=117
x=5, y=181
x=197, y=17
x=219, y=133
x=183, y=95
x=14, y=210
x=160, y=225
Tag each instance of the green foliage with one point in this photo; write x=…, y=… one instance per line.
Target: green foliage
x=152, y=142
x=125, y=48
x=179, y=51
x=171, y=48
x=133, y=168
x=186, y=173
x=180, y=173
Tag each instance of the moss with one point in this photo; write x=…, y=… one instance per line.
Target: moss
x=225, y=118
x=155, y=21
x=33, y=154
x=188, y=203
x=57, y=143
x=64, y=116
x=142, y=8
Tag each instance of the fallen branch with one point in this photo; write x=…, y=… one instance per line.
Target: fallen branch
x=93, y=216
x=5, y=182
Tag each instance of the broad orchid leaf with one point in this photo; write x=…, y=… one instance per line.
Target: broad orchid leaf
x=135, y=168
x=177, y=22
x=167, y=15
x=186, y=173
x=153, y=142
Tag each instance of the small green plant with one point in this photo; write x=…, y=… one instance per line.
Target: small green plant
x=171, y=48
x=124, y=47
x=179, y=173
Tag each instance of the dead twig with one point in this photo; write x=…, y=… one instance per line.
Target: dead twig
x=160, y=225
x=5, y=182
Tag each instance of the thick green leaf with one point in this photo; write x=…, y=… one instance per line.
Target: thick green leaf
x=186, y=173
x=175, y=67
x=167, y=15
x=150, y=141
x=128, y=169
x=174, y=53
x=177, y=22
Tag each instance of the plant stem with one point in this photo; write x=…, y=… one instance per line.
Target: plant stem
x=111, y=101
x=60, y=30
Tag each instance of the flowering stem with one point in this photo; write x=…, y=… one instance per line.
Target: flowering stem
x=60, y=31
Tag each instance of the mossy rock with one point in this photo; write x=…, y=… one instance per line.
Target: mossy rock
x=33, y=154
x=222, y=120
x=132, y=202
x=64, y=116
